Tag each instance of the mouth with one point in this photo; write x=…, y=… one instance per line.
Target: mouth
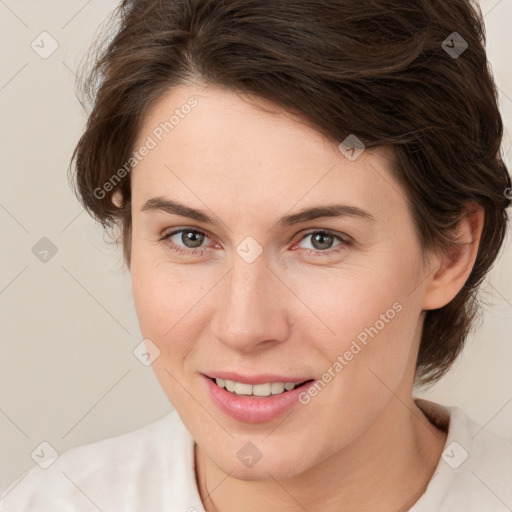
x=257, y=390
x=257, y=400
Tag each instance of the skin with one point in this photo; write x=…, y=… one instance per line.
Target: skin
x=361, y=443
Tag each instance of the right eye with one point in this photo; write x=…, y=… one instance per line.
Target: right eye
x=190, y=238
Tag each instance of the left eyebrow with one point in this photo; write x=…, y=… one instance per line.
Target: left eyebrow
x=317, y=212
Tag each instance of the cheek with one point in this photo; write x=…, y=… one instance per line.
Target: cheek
x=152, y=299
x=367, y=361
x=358, y=304
x=373, y=320
x=168, y=300
x=162, y=292
x=160, y=304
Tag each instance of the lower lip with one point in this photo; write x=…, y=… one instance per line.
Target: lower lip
x=254, y=409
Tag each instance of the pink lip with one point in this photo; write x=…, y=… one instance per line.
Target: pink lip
x=255, y=379
x=254, y=409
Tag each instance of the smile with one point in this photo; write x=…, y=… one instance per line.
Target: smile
x=259, y=390
x=256, y=402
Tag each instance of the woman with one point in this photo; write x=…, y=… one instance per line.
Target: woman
x=310, y=194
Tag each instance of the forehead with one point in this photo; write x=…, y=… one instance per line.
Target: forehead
x=210, y=144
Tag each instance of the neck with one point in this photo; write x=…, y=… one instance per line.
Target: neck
x=386, y=469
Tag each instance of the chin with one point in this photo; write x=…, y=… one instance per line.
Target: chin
x=269, y=469
x=244, y=461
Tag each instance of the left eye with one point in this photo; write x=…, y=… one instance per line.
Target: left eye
x=189, y=241
x=322, y=240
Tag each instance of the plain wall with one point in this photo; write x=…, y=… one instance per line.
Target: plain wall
x=68, y=326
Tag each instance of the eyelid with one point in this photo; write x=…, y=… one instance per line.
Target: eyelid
x=167, y=233
x=342, y=236
x=345, y=242
x=299, y=237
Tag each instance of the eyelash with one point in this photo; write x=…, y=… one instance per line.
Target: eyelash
x=344, y=243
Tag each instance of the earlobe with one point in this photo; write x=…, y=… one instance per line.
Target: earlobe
x=117, y=198
x=452, y=266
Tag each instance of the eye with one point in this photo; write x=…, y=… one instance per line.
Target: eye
x=322, y=242
x=190, y=238
x=189, y=242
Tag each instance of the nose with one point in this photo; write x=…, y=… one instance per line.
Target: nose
x=251, y=315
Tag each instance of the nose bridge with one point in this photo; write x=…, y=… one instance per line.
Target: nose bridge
x=250, y=311
x=247, y=277
x=247, y=290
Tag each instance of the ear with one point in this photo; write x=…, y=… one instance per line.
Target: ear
x=450, y=267
x=117, y=198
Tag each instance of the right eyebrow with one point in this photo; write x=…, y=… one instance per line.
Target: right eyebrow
x=176, y=208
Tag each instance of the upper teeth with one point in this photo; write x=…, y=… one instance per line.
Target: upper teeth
x=267, y=389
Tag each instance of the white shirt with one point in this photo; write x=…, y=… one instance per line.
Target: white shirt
x=152, y=470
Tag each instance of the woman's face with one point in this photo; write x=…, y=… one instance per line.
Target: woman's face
x=252, y=290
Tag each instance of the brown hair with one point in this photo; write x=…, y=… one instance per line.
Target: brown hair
x=381, y=70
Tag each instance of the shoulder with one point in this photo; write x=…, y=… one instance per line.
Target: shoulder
x=488, y=473
x=113, y=473
x=475, y=469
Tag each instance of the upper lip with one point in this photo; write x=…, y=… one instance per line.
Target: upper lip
x=261, y=378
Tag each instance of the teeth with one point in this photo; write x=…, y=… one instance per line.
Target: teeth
x=242, y=389
x=271, y=388
x=277, y=387
x=262, y=390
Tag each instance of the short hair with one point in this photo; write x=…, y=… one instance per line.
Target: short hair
x=391, y=72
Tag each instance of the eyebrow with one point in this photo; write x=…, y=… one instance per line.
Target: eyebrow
x=328, y=211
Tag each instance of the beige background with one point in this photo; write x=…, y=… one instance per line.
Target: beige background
x=68, y=327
